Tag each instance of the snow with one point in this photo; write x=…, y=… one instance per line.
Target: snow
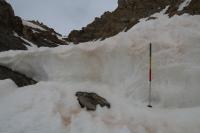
x=117, y=69
x=29, y=24
x=184, y=4
x=9, y=85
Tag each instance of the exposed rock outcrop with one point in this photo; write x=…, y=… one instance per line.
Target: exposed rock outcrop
x=9, y=23
x=43, y=36
x=193, y=8
x=20, y=79
x=126, y=16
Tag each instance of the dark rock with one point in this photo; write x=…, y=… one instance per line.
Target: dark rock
x=151, y=18
x=193, y=8
x=20, y=79
x=8, y=20
x=174, y=5
x=6, y=13
x=91, y=100
x=8, y=24
x=17, y=25
x=10, y=42
x=43, y=38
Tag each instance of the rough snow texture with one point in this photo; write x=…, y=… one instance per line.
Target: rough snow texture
x=116, y=69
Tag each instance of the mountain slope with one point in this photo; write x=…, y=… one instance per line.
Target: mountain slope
x=127, y=14
x=14, y=35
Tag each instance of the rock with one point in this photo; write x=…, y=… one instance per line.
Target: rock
x=151, y=18
x=6, y=13
x=8, y=24
x=193, y=8
x=123, y=3
x=43, y=38
x=20, y=79
x=91, y=100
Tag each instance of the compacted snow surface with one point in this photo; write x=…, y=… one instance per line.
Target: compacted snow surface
x=116, y=69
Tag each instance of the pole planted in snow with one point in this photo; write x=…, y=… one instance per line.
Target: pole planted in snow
x=150, y=74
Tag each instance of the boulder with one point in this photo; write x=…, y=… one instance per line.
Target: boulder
x=90, y=100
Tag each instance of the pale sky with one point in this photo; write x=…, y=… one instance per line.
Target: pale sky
x=62, y=15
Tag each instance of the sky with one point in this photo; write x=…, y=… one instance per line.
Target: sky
x=62, y=15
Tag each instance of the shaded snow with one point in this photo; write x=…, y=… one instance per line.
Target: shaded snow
x=117, y=69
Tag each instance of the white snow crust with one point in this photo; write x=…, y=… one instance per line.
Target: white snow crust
x=116, y=69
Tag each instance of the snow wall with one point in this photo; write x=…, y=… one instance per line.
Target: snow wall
x=117, y=69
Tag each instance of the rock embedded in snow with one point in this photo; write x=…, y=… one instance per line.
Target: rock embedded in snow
x=20, y=79
x=91, y=100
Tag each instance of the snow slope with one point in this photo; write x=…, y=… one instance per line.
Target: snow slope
x=117, y=69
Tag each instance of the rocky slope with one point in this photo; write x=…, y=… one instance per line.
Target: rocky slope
x=41, y=35
x=126, y=16
x=17, y=34
x=9, y=23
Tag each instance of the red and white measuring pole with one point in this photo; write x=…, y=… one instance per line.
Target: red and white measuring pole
x=150, y=74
